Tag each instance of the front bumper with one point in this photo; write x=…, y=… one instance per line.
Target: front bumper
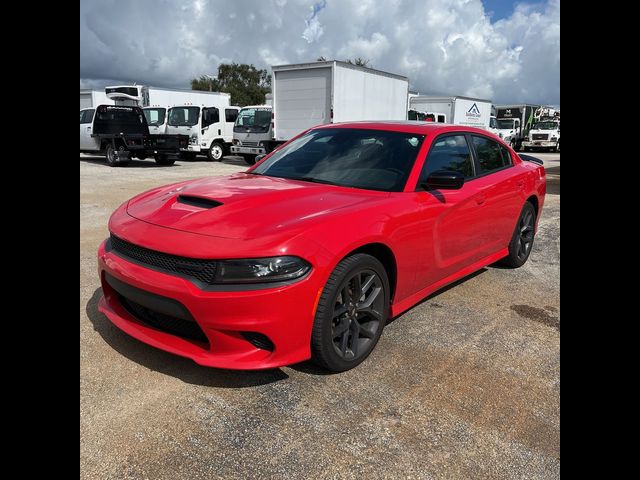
x=192, y=148
x=284, y=314
x=239, y=150
x=540, y=143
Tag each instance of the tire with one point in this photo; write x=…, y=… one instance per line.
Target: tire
x=164, y=160
x=332, y=337
x=522, y=238
x=112, y=156
x=216, y=152
x=525, y=149
x=516, y=146
x=249, y=159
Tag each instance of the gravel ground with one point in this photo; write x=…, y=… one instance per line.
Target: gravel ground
x=464, y=385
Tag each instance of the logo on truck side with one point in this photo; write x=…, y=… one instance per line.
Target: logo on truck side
x=474, y=111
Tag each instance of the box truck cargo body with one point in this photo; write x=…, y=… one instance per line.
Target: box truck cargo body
x=467, y=111
x=514, y=122
x=306, y=95
x=92, y=98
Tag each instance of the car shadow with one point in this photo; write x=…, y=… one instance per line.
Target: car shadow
x=134, y=163
x=179, y=367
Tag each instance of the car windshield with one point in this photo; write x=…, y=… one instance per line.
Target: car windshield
x=349, y=157
x=184, y=116
x=505, y=124
x=254, y=119
x=545, y=126
x=154, y=116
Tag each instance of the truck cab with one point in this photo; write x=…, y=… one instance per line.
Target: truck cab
x=210, y=129
x=156, y=119
x=543, y=134
x=508, y=129
x=253, y=132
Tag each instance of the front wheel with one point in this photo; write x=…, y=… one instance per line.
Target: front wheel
x=216, y=152
x=249, y=159
x=351, y=313
x=522, y=238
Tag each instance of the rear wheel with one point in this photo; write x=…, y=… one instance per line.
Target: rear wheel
x=113, y=155
x=351, y=313
x=522, y=239
x=216, y=152
x=249, y=159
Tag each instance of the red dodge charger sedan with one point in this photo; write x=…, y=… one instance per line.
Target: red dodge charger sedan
x=307, y=254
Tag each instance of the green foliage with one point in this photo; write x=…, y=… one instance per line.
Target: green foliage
x=361, y=62
x=246, y=84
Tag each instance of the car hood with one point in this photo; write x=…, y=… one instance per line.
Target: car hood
x=243, y=206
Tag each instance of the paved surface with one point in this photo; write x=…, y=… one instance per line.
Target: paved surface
x=464, y=385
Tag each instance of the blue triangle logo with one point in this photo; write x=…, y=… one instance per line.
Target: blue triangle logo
x=474, y=109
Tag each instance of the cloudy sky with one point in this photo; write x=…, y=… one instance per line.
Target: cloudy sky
x=497, y=49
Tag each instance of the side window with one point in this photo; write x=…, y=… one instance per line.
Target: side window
x=449, y=153
x=489, y=153
x=209, y=116
x=86, y=116
x=230, y=114
x=506, y=156
x=441, y=119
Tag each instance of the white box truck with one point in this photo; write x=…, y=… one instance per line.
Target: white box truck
x=310, y=94
x=467, y=111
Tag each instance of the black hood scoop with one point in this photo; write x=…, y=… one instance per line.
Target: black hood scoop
x=199, y=202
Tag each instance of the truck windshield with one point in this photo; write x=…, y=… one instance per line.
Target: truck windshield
x=546, y=126
x=184, y=116
x=349, y=157
x=504, y=124
x=154, y=116
x=253, y=119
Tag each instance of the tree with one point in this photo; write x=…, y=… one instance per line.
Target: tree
x=246, y=84
x=321, y=59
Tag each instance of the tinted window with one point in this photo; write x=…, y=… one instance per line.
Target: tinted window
x=506, y=156
x=86, y=116
x=489, y=154
x=209, y=116
x=449, y=153
x=441, y=119
x=230, y=114
x=351, y=157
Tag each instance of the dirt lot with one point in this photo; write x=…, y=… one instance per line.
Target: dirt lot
x=464, y=385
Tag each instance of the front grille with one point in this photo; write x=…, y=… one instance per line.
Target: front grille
x=249, y=144
x=166, y=323
x=539, y=136
x=200, y=269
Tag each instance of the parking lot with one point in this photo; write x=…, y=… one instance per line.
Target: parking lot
x=464, y=385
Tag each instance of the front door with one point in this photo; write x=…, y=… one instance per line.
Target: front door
x=87, y=142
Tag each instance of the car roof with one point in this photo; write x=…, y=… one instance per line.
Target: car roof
x=408, y=126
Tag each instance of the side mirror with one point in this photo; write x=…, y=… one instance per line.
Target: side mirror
x=444, y=180
x=260, y=157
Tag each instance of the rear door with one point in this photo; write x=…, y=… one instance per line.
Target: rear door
x=230, y=115
x=500, y=186
x=302, y=100
x=87, y=142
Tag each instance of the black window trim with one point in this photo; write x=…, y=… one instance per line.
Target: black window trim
x=474, y=165
x=476, y=160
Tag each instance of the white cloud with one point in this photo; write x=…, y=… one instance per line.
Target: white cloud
x=443, y=46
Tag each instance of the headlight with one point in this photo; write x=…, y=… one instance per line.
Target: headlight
x=507, y=138
x=554, y=138
x=260, y=270
x=193, y=138
x=235, y=141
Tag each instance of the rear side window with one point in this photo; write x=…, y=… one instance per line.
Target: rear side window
x=86, y=116
x=490, y=154
x=449, y=153
x=506, y=156
x=230, y=114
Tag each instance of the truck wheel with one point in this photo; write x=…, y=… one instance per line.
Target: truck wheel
x=525, y=149
x=113, y=155
x=250, y=159
x=557, y=147
x=216, y=152
x=164, y=160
